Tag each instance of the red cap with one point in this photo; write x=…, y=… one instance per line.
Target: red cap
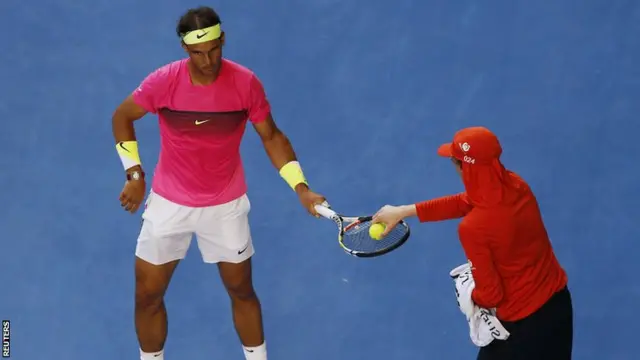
x=473, y=145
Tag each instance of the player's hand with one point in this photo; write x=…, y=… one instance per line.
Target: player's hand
x=309, y=199
x=132, y=195
x=390, y=216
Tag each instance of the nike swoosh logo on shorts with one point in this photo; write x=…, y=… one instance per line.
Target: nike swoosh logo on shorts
x=243, y=250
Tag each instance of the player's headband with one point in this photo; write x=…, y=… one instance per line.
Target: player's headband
x=202, y=35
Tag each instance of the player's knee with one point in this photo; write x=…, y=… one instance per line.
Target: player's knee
x=151, y=286
x=241, y=290
x=149, y=295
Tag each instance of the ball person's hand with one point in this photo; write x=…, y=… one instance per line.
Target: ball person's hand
x=390, y=216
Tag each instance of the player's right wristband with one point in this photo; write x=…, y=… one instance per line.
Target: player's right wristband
x=128, y=151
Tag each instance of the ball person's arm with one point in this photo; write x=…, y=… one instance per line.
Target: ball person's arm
x=439, y=209
x=488, y=292
x=443, y=208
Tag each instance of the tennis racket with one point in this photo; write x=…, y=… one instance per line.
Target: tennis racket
x=353, y=234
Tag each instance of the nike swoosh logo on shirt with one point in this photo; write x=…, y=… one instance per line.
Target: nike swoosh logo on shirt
x=198, y=122
x=243, y=250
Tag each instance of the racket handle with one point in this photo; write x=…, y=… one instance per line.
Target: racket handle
x=324, y=211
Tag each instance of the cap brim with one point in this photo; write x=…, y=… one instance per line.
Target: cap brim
x=445, y=150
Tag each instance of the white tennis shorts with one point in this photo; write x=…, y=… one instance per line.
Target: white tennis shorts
x=222, y=231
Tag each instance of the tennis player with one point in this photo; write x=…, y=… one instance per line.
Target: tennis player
x=203, y=103
x=506, y=243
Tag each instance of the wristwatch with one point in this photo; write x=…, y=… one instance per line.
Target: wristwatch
x=135, y=175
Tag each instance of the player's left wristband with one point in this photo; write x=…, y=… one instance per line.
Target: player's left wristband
x=129, y=156
x=292, y=173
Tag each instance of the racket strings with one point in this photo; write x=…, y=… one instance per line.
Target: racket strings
x=357, y=238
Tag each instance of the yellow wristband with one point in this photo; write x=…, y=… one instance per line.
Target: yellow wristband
x=128, y=151
x=292, y=174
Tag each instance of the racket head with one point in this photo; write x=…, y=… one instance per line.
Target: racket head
x=355, y=239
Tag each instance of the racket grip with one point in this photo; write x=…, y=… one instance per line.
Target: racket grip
x=325, y=211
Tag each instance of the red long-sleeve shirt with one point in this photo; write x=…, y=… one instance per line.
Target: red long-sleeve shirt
x=513, y=264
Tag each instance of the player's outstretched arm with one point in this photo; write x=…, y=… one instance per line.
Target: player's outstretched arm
x=283, y=158
x=127, y=147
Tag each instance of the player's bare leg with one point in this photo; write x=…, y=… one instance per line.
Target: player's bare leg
x=150, y=313
x=246, y=307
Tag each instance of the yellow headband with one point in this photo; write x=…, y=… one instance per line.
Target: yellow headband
x=202, y=35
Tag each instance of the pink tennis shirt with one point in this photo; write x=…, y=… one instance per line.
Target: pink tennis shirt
x=200, y=129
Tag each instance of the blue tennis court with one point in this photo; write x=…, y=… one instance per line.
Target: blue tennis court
x=366, y=90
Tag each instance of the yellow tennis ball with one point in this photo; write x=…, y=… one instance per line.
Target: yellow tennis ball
x=375, y=231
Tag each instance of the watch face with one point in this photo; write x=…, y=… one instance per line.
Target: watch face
x=135, y=175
